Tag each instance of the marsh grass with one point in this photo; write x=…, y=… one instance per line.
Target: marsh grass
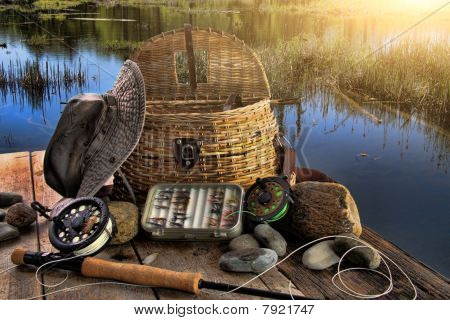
x=119, y=45
x=37, y=40
x=415, y=75
x=48, y=16
x=38, y=79
x=58, y=4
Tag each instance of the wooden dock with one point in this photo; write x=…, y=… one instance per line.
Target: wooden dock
x=22, y=173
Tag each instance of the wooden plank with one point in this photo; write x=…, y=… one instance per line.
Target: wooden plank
x=203, y=257
x=15, y=176
x=429, y=284
x=125, y=253
x=190, y=57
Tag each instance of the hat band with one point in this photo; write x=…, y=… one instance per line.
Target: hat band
x=109, y=98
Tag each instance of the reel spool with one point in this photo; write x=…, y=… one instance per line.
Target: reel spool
x=268, y=199
x=81, y=226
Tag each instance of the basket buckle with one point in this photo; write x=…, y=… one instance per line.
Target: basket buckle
x=187, y=152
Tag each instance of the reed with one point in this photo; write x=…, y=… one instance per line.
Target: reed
x=37, y=40
x=58, y=4
x=47, y=17
x=40, y=78
x=414, y=74
x=119, y=45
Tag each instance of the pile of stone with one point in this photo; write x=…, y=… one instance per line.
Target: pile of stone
x=17, y=217
x=255, y=252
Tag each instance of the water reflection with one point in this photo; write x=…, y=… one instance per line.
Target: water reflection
x=28, y=117
x=397, y=175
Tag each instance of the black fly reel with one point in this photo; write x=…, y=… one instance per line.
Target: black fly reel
x=81, y=226
x=268, y=199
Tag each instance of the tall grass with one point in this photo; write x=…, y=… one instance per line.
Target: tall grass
x=38, y=78
x=58, y=4
x=37, y=40
x=117, y=45
x=48, y=17
x=415, y=74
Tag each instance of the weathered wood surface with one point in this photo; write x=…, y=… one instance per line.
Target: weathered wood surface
x=203, y=257
x=15, y=177
x=125, y=253
x=22, y=173
x=429, y=284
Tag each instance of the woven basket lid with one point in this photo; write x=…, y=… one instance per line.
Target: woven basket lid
x=228, y=66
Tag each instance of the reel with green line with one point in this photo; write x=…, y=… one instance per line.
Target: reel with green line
x=268, y=199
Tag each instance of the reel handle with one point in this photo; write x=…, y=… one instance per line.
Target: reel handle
x=142, y=275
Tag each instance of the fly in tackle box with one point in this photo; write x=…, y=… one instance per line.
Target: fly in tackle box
x=194, y=211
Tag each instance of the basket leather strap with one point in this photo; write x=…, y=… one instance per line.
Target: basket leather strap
x=190, y=57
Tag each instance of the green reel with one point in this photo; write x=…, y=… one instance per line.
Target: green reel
x=268, y=199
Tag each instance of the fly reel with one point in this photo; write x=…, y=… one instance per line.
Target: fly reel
x=268, y=199
x=80, y=226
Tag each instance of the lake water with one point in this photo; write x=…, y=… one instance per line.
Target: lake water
x=397, y=170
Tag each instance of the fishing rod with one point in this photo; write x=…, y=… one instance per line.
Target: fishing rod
x=190, y=282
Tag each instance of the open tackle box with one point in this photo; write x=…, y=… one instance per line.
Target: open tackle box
x=194, y=211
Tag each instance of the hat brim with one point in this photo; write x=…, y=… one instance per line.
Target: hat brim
x=129, y=91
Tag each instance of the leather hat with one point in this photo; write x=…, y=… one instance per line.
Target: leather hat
x=95, y=135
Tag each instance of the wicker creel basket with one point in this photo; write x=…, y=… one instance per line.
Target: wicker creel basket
x=193, y=131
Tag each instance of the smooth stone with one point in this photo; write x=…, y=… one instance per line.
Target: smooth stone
x=8, y=232
x=270, y=238
x=126, y=215
x=323, y=209
x=248, y=260
x=245, y=241
x=8, y=199
x=20, y=215
x=2, y=215
x=362, y=257
x=320, y=256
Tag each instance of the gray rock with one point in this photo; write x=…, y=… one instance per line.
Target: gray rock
x=320, y=256
x=8, y=199
x=8, y=232
x=20, y=215
x=245, y=241
x=2, y=215
x=270, y=238
x=363, y=257
x=248, y=260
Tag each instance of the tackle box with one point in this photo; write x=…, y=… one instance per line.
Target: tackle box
x=193, y=211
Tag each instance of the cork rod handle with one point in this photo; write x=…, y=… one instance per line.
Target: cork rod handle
x=142, y=275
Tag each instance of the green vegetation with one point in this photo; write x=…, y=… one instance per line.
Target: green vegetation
x=38, y=78
x=319, y=7
x=60, y=17
x=37, y=40
x=347, y=7
x=415, y=74
x=58, y=4
x=49, y=16
x=45, y=16
x=118, y=45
